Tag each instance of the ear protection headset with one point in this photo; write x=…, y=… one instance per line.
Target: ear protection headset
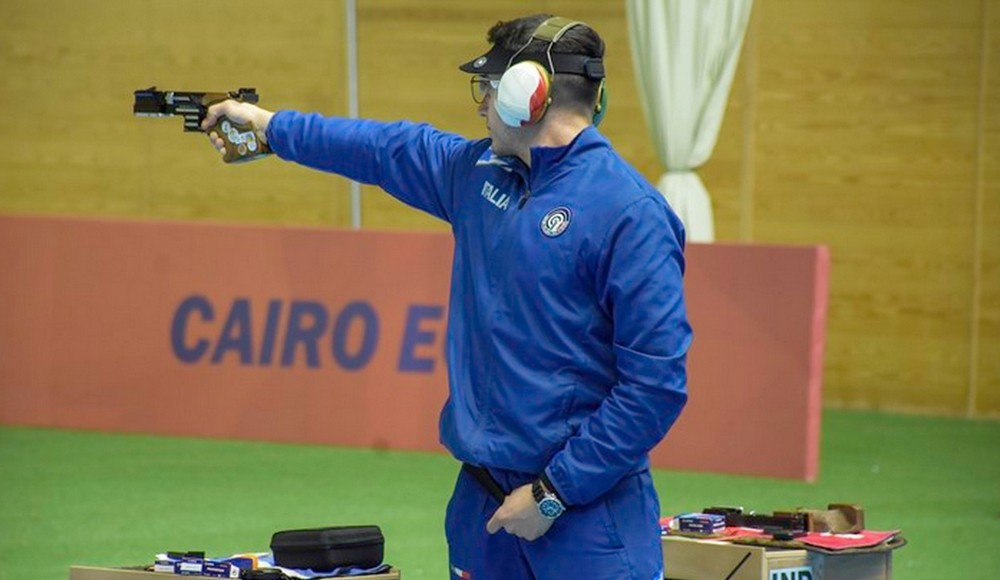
x=523, y=95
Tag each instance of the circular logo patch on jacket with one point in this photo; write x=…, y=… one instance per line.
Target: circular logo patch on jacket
x=556, y=221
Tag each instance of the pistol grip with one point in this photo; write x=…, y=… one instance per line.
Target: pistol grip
x=242, y=141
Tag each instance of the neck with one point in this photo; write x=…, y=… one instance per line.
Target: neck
x=557, y=129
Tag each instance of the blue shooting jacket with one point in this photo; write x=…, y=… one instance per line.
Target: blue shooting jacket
x=567, y=329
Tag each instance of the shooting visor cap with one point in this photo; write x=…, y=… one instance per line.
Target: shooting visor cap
x=499, y=59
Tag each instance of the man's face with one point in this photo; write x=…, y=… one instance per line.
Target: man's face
x=484, y=93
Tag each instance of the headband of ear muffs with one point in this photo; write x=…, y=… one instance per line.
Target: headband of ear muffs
x=523, y=94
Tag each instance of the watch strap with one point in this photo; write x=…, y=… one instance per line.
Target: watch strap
x=547, y=485
x=537, y=490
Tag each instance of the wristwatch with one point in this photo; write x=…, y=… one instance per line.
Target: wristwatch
x=548, y=503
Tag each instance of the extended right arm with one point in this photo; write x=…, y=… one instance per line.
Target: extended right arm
x=413, y=162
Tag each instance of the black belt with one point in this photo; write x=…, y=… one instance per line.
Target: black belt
x=486, y=480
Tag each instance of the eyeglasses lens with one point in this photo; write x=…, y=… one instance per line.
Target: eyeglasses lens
x=481, y=86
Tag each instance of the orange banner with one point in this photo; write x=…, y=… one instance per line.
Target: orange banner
x=337, y=337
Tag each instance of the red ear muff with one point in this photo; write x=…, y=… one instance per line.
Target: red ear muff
x=523, y=94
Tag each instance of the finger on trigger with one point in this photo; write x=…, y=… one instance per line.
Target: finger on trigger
x=211, y=116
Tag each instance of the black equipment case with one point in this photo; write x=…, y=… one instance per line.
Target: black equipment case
x=323, y=549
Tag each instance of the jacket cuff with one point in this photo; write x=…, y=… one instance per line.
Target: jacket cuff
x=551, y=487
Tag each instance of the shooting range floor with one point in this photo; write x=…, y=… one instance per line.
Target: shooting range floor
x=69, y=497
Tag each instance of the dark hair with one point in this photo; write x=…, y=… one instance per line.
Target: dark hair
x=567, y=90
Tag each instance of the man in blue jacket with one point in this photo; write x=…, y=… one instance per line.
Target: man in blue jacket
x=567, y=330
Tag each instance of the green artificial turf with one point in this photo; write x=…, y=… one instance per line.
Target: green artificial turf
x=70, y=497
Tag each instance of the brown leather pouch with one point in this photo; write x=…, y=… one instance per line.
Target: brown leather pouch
x=838, y=518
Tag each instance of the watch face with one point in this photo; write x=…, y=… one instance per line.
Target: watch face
x=550, y=508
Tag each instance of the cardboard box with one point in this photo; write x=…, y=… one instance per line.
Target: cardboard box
x=699, y=523
x=92, y=573
x=691, y=559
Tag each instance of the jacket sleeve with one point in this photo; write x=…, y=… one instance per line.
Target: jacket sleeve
x=412, y=162
x=639, y=283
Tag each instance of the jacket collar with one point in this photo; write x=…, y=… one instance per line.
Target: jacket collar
x=547, y=162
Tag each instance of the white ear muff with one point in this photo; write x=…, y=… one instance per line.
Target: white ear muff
x=523, y=94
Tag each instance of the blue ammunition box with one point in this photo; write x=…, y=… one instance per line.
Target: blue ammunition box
x=698, y=523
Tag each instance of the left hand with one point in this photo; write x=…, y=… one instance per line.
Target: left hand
x=519, y=515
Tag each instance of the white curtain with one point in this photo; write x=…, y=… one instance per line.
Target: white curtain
x=685, y=54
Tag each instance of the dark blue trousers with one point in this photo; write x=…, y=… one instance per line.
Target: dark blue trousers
x=616, y=537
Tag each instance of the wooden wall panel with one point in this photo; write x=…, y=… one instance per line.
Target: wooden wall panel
x=67, y=72
x=854, y=124
x=987, y=391
x=866, y=141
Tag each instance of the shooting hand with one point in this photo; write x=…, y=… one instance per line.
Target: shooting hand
x=237, y=112
x=519, y=515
